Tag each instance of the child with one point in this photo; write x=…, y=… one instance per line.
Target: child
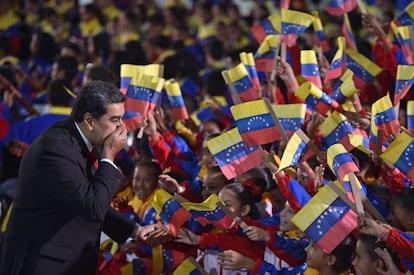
x=368, y=262
x=400, y=239
x=337, y=262
x=236, y=196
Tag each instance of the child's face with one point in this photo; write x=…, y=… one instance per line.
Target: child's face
x=144, y=182
x=285, y=218
x=231, y=201
x=400, y=217
x=362, y=262
x=213, y=183
x=315, y=257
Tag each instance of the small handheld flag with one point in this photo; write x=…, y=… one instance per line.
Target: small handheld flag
x=255, y=122
x=316, y=99
x=172, y=213
x=400, y=153
x=293, y=24
x=338, y=64
x=232, y=155
x=176, y=99
x=268, y=26
x=326, y=219
x=310, y=68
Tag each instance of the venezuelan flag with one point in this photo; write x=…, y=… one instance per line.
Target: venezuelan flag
x=208, y=212
x=172, y=213
x=364, y=69
x=143, y=93
x=315, y=98
x=400, y=153
x=338, y=66
x=339, y=7
x=319, y=32
x=232, y=155
x=132, y=120
x=293, y=24
x=360, y=142
x=410, y=116
x=129, y=71
x=294, y=152
x=404, y=81
x=206, y=33
x=335, y=129
x=403, y=35
x=347, y=32
x=326, y=219
x=175, y=97
x=255, y=122
x=239, y=77
x=268, y=26
x=265, y=55
x=344, y=87
x=340, y=161
x=383, y=116
x=294, y=192
x=187, y=267
x=291, y=116
x=248, y=60
x=406, y=18
x=310, y=68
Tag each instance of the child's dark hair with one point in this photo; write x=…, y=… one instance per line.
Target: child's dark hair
x=153, y=165
x=405, y=199
x=242, y=191
x=370, y=242
x=344, y=254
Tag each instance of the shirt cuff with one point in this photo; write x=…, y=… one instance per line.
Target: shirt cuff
x=110, y=162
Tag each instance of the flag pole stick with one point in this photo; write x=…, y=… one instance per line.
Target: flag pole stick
x=277, y=121
x=236, y=218
x=310, y=143
x=378, y=144
x=362, y=7
x=357, y=194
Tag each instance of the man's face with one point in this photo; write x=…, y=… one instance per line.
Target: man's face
x=107, y=124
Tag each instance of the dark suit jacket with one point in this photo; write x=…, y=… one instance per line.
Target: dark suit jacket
x=61, y=208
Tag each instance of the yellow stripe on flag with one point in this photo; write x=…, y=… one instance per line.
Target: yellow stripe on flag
x=271, y=41
x=290, y=110
x=296, y=17
x=236, y=73
x=367, y=64
x=317, y=24
x=208, y=204
x=223, y=141
x=172, y=87
x=289, y=152
x=348, y=87
x=308, y=57
x=331, y=122
x=307, y=88
x=314, y=208
x=332, y=152
x=357, y=142
x=410, y=107
x=397, y=147
x=148, y=81
x=249, y=109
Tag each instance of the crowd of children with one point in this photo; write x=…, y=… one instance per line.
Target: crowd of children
x=50, y=49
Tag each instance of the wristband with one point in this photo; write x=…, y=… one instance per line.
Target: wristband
x=292, y=85
x=155, y=137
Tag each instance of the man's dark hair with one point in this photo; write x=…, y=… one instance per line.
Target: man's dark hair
x=94, y=98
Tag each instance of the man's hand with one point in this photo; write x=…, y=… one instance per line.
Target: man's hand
x=114, y=143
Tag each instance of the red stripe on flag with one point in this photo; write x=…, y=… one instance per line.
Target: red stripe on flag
x=338, y=232
x=249, y=94
x=178, y=219
x=261, y=136
x=242, y=165
x=136, y=105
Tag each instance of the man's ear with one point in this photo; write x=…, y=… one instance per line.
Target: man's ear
x=88, y=120
x=245, y=210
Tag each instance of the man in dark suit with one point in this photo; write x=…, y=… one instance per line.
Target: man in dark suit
x=62, y=200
